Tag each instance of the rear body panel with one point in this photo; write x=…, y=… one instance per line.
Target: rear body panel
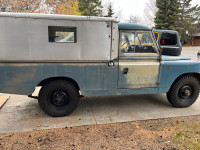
x=22, y=78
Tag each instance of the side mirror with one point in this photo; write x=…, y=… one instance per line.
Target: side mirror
x=198, y=55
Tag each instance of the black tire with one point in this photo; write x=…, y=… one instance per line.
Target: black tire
x=184, y=92
x=58, y=98
x=170, y=51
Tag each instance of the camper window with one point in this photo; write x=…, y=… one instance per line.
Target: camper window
x=60, y=34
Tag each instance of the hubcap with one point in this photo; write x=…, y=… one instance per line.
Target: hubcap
x=185, y=92
x=60, y=98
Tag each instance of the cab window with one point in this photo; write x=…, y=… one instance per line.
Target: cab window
x=136, y=42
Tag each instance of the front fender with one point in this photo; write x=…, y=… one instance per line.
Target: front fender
x=171, y=70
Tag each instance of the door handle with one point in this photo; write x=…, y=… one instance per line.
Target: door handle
x=125, y=71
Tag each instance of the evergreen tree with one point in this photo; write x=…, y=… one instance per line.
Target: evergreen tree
x=90, y=7
x=110, y=11
x=167, y=14
x=188, y=16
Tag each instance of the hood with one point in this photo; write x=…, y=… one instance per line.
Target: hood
x=174, y=58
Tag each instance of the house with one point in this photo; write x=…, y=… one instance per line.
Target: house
x=196, y=38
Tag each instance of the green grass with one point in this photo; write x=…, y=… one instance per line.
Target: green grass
x=187, y=135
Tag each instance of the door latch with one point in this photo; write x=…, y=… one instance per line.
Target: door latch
x=125, y=71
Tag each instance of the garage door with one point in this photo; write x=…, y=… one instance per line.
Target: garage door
x=197, y=42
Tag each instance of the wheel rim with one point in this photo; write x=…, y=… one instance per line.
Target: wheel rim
x=59, y=98
x=185, y=92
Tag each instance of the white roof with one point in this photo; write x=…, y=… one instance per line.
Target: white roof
x=55, y=16
x=198, y=34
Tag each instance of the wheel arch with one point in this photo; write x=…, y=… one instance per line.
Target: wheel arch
x=196, y=75
x=62, y=78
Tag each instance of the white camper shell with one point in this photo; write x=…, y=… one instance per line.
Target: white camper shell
x=29, y=37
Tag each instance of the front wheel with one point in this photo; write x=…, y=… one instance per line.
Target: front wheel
x=58, y=98
x=184, y=92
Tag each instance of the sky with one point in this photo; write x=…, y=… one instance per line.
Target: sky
x=133, y=7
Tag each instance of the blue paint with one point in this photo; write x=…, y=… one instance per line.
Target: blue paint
x=92, y=78
x=127, y=26
x=168, y=31
x=121, y=92
x=177, y=68
x=21, y=78
x=174, y=58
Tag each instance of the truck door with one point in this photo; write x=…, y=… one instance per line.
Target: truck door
x=139, y=61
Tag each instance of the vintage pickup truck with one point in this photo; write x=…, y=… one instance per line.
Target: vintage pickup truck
x=71, y=56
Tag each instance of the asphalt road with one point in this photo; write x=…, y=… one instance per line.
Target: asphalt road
x=191, y=52
x=21, y=113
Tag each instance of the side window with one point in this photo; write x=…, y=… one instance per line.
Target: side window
x=168, y=39
x=60, y=34
x=136, y=42
x=127, y=41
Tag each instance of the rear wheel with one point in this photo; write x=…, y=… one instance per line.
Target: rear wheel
x=58, y=98
x=184, y=92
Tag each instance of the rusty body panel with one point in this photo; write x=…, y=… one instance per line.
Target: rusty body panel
x=94, y=78
x=140, y=74
x=17, y=78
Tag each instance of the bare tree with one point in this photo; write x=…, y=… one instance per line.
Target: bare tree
x=134, y=19
x=150, y=12
x=105, y=6
x=118, y=15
